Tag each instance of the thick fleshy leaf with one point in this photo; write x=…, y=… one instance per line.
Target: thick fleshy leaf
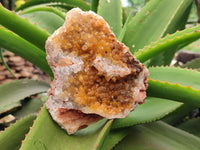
x=94, y=5
x=32, y=106
x=185, y=94
x=14, y=91
x=12, y=137
x=23, y=28
x=177, y=116
x=75, y=3
x=58, y=139
x=153, y=109
x=23, y=48
x=112, y=16
x=102, y=135
x=123, y=31
x=191, y=126
x=181, y=76
x=158, y=136
x=5, y=64
x=114, y=137
x=194, y=64
x=170, y=41
x=152, y=22
x=178, y=23
x=45, y=17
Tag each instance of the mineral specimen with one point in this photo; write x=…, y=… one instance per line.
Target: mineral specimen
x=95, y=75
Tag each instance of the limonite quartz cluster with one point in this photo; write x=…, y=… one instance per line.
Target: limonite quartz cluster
x=95, y=75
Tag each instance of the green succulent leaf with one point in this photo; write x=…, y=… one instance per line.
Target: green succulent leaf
x=191, y=126
x=194, y=64
x=185, y=94
x=170, y=41
x=123, y=31
x=15, y=91
x=5, y=64
x=23, y=48
x=94, y=5
x=58, y=139
x=75, y=3
x=102, y=135
x=177, y=116
x=181, y=76
x=158, y=136
x=114, y=137
x=32, y=106
x=45, y=9
x=12, y=137
x=23, y=28
x=112, y=16
x=178, y=23
x=153, y=109
x=45, y=17
x=152, y=22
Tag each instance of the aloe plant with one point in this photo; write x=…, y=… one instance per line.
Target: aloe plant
x=152, y=36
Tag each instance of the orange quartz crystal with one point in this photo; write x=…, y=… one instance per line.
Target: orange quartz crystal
x=94, y=74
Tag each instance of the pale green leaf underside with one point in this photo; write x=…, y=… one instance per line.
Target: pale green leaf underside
x=17, y=90
x=153, y=109
x=158, y=136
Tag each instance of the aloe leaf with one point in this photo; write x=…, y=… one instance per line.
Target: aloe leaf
x=102, y=135
x=152, y=22
x=185, y=94
x=64, y=7
x=178, y=23
x=21, y=47
x=191, y=126
x=153, y=109
x=114, y=137
x=111, y=11
x=23, y=28
x=45, y=17
x=58, y=139
x=11, y=138
x=94, y=5
x=5, y=64
x=17, y=90
x=44, y=8
x=181, y=76
x=194, y=64
x=75, y=3
x=32, y=106
x=168, y=42
x=122, y=33
x=158, y=136
x=177, y=116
